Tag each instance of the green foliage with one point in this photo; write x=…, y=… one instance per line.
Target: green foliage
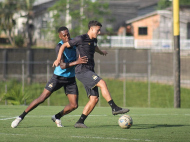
x=162, y=4
x=8, y=9
x=19, y=41
x=7, y=22
x=161, y=95
x=184, y=2
x=79, y=19
x=15, y=94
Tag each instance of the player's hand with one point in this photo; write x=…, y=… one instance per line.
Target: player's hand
x=56, y=63
x=82, y=60
x=104, y=53
x=63, y=65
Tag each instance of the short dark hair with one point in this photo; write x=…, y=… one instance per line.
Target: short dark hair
x=94, y=23
x=62, y=29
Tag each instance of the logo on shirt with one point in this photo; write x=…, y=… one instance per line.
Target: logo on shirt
x=95, y=44
x=88, y=43
x=94, y=77
x=50, y=85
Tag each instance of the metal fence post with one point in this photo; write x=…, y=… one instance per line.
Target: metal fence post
x=117, y=63
x=48, y=72
x=149, y=76
x=23, y=81
x=29, y=66
x=4, y=64
x=5, y=93
x=124, y=83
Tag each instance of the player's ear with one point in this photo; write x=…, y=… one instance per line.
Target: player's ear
x=91, y=28
x=59, y=36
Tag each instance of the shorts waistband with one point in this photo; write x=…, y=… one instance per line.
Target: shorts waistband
x=61, y=77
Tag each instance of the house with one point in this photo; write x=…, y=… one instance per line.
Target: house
x=158, y=25
x=122, y=10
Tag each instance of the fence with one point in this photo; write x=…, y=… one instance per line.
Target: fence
x=129, y=64
x=130, y=42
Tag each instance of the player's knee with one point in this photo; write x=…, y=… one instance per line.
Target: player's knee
x=102, y=83
x=94, y=99
x=43, y=97
x=74, y=106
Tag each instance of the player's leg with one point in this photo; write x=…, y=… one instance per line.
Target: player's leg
x=45, y=94
x=93, y=100
x=51, y=86
x=71, y=90
x=105, y=93
x=73, y=104
x=91, y=79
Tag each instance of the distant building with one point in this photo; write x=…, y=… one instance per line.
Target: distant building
x=158, y=25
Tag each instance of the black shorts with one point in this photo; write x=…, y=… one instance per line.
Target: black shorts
x=89, y=80
x=56, y=82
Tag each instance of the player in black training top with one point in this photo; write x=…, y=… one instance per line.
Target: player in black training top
x=86, y=45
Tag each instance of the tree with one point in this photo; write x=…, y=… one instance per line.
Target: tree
x=8, y=8
x=7, y=22
x=162, y=4
x=80, y=12
x=27, y=7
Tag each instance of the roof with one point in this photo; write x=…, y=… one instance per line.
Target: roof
x=147, y=3
x=166, y=13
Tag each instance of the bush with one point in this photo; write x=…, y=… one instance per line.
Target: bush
x=19, y=41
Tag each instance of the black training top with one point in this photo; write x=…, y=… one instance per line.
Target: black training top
x=85, y=47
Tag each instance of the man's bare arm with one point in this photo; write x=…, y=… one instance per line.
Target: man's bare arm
x=61, y=50
x=100, y=51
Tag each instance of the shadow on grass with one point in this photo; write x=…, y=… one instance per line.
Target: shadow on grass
x=152, y=126
x=134, y=126
x=141, y=126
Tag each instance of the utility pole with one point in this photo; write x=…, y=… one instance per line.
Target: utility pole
x=176, y=43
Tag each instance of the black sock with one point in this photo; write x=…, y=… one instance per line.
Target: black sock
x=82, y=118
x=113, y=105
x=23, y=115
x=59, y=115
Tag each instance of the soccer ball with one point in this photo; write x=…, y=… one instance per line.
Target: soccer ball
x=125, y=121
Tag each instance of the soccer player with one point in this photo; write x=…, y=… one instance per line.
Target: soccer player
x=64, y=76
x=86, y=45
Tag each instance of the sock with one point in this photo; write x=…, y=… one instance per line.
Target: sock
x=113, y=105
x=82, y=118
x=59, y=115
x=23, y=115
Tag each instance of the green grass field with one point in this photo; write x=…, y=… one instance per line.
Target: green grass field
x=149, y=124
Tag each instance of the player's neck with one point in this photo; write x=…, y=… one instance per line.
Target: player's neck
x=90, y=35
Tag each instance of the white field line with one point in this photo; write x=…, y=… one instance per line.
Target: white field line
x=109, y=138
x=9, y=134
x=7, y=118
